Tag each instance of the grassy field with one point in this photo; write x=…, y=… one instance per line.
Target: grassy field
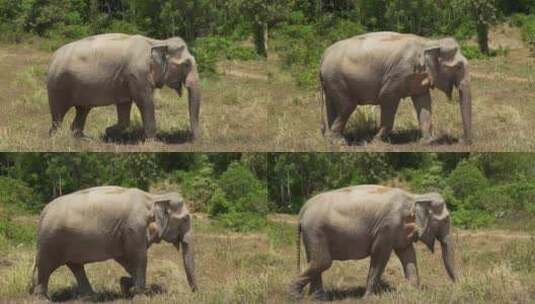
x=256, y=106
x=493, y=267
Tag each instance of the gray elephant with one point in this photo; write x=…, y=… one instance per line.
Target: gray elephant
x=120, y=69
x=370, y=220
x=110, y=222
x=382, y=68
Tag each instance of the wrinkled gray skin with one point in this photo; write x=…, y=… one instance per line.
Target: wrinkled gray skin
x=369, y=220
x=110, y=222
x=382, y=68
x=120, y=69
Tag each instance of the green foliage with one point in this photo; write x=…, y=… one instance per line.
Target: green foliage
x=470, y=218
x=467, y=179
x=15, y=194
x=209, y=50
x=472, y=52
x=302, y=45
x=240, y=202
x=527, y=25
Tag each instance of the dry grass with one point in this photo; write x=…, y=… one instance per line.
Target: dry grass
x=257, y=268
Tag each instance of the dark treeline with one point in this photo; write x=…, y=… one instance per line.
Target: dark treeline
x=298, y=29
x=481, y=189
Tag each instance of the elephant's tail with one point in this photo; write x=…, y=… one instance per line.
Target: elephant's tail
x=298, y=246
x=322, y=105
x=33, y=276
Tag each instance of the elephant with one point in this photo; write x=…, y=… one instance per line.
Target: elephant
x=110, y=222
x=382, y=68
x=355, y=222
x=120, y=69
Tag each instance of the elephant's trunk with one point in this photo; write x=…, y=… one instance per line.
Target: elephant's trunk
x=448, y=256
x=189, y=263
x=194, y=99
x=465, y=97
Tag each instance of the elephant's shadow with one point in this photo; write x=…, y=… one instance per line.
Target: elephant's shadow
x=136, y=135
x=362, y=136
x=100, y=296
x=337, y=294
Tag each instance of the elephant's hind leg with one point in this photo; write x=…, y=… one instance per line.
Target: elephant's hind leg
x=319, y=261
x=43, y=276
x=339, y=108
x=389, y=107
x=123, y=118
x=58, y=113
x=78, y=124
x=81, y=277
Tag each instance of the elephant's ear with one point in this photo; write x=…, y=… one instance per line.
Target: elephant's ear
x=431, y=205
x=158, y=68
x=161, y=212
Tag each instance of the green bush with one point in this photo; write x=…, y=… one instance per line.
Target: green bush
x=466, y=179
x=121, y=26
x=218, y=203
x=197, y=185
x=242, y=202
x=15, y=232
x=210, y=49
x=16, y=195
x=467, y=218
x=242, y=221
x=472, y=52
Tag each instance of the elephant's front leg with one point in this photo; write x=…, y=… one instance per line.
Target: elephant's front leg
x=379, y=258
x=407, y=257
x=123, y=118
x=140, y=273
x=145, y=103
x=422, y=105
x=389, y=107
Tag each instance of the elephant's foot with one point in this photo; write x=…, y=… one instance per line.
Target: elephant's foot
x=319, y=295
x=336, y=139
x=296, y=291
x=427, y=139
x=126, y=283
x=86, y=292
x=115, y=129
x=81, y=136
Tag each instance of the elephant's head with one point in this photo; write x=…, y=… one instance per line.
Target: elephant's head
x=172, y=223
x=449, y=68
x=174, y=66
x=433, y=220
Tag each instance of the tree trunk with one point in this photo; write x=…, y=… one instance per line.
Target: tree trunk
x=261, y=38
x=483, y=38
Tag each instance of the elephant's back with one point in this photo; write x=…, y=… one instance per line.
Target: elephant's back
x=90, y=207
x=354, y=201
x=95, y=58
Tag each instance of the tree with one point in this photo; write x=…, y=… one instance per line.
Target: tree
x=262, y=15
x=484, y=15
